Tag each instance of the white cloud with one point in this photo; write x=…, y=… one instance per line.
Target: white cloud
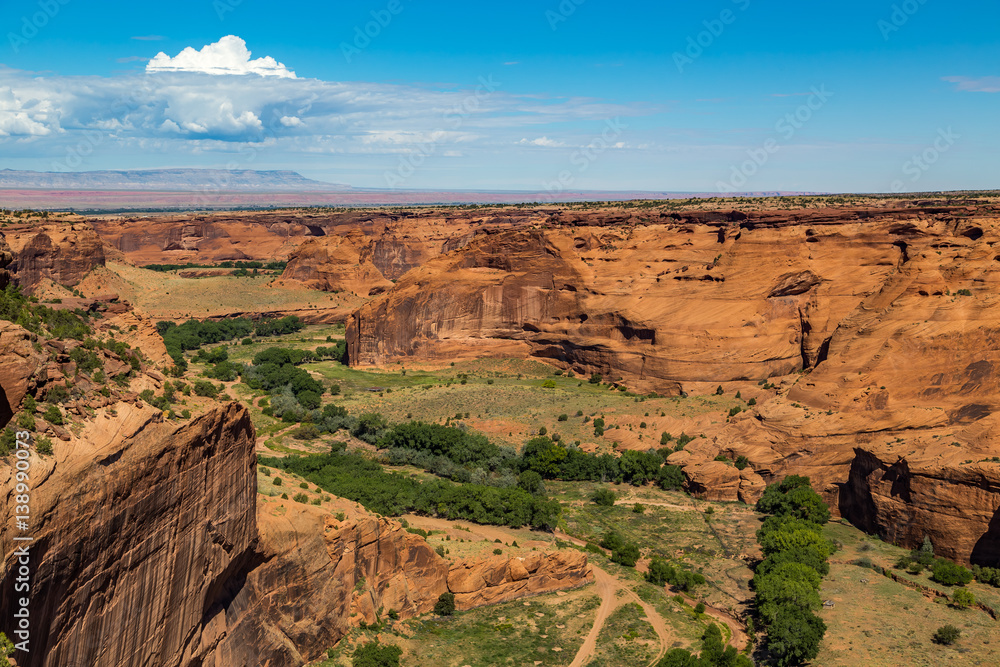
x=291, y=121
x=227, y=56
x=20, y=118
x=987, y=84
x=545, y=142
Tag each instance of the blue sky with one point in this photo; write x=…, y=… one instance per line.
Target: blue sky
x=579, y=94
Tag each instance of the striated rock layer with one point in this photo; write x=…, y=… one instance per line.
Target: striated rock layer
x=150, y=549
x=882, y=322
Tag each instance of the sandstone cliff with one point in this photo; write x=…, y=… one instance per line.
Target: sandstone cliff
x=334, y=263
x=151, y=548
x=880, y=322
x=63, y=253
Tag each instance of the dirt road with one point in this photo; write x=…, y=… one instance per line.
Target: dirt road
x=607, y=589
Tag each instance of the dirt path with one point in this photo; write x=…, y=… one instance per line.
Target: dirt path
x=740, y=638
x=607, y=588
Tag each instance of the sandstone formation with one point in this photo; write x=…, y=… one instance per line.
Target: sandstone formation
x=476, y=583
x=398, y=239
x=20, y=363
x=139, y=528
x=880, y=321
x=63, y=253
x=151, y=548
x=334, y=263
x=6, y=258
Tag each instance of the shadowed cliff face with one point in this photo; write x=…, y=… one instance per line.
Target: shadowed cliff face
x=138, y=528
x=889, y=316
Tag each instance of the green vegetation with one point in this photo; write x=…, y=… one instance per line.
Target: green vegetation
x=604, y=497
x=375, y=654
x=19, y=309
x=445, y=605
x=947, y=635
x=714, y=653
x=359, y=479
x=660, y=573
x=192, y=334
x=795, y=559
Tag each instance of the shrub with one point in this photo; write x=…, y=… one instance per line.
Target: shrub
x=626, y=555
x=604, y=497
x=563, y=417
x=445, y=605
x=276, y=481
x=497, y=552
x=548, y=384
x=795, y=497
x=963, y=598
x=950, y=574
x=670, y=477
x=304, y=485
x=301, y=498
x=596, y=378
x=205, y=388
x=334, y=389
x=53, y=415
x=44, y=446
x=26, y=421
x=375, y=654
x=946, y=635
x=742, y=462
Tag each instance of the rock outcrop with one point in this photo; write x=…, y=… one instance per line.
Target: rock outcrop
x=6, y=258
x=63, y=253
x=20, y=364
x=905, y=496
x=334, y=264
x=880, y=325
x=476, y=583
x=140, y=528
x=150, y=547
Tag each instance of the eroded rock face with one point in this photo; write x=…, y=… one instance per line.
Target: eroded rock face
x=151, y=549
x=905, y=499
x=658, y=304
x=6, y=258
x=880, y=323
x=501, y=579
x=139, y=528
x=62, y=253
x=334, y=263
x=20, y=363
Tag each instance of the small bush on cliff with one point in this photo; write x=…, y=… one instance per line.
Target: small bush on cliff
x=445, y=605
x=6, y=646
x=375, y=654
x=53, y=415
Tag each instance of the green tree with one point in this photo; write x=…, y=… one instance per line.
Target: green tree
x=670, y=477
x=950, y=574
x=794, y=636
x=445, y=605
x=53, y=415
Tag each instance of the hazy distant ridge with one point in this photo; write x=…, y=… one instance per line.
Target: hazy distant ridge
x=184, y=180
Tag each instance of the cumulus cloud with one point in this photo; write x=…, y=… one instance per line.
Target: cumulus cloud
x=987, y=84
x=229, y=55
x=22, y=118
